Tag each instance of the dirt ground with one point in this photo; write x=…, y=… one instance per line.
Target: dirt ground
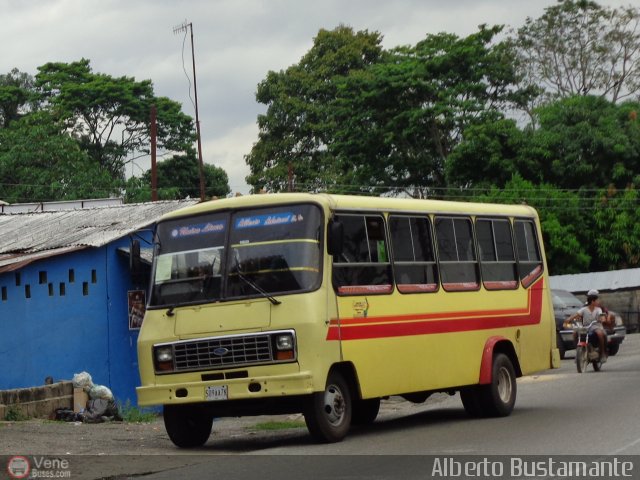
x=120, y=449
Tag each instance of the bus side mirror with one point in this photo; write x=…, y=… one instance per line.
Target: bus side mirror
x=335, y=240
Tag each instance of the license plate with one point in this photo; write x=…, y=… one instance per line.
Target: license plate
x=219, y=392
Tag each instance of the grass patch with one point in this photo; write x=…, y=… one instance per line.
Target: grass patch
x=131, y=414
x=14, y=414
x=270, y=426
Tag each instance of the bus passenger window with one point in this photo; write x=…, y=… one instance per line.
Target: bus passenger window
x=497, y=259
x=414, y=265
x=456, y=254
x=529, y=260
x=363, y=267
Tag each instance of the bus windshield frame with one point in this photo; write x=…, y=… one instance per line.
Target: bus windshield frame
x=232, y=255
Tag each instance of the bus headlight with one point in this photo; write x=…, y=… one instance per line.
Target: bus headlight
x=163, y=358
x=284, y=346
x=284, y=342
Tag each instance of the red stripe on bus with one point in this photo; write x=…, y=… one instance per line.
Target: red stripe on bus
x=407, y=325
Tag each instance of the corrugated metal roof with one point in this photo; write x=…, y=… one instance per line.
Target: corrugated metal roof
x=603, y=281
x=29, y=236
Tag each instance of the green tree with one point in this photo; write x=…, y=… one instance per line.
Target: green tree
x=351, y=116
x=578, y=47
x=110, y=116
x=296, y=129
x=16, y=96
x=39, y=163
x=398, y=122
x=586, y=142
x=617, y=228
x=488, y=154
x=178, y=178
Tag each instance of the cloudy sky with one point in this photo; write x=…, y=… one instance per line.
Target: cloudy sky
x=236, y=43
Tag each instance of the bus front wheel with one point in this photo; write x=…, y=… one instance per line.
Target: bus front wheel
x=328, y=414
x=188, y=426
x=365, y=412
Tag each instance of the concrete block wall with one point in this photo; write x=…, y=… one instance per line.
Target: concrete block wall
x=37, y=402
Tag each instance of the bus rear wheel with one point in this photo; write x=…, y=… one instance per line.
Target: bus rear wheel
x=328, y=413
x=188, y=426
x=496, y=399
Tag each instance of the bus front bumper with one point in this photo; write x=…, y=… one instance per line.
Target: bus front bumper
x=226, y=390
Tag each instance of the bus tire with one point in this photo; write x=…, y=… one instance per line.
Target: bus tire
x=365, y=412
x=499, y=397
x=328, y=413
x=188, y=426
x=471, y=401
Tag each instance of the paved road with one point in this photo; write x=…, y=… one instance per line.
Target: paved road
x=559, y=412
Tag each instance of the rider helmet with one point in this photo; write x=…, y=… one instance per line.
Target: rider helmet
x=593, y=293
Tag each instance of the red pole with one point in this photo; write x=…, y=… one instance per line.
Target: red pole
x=154, y=171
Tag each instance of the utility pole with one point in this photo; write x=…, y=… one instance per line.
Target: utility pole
x=183, y=28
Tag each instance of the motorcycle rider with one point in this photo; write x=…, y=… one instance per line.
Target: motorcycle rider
x=590, y=312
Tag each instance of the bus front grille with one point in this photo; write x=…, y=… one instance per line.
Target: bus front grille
x=223, y=352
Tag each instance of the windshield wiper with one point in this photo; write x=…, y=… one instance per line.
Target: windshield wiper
x=266, y=295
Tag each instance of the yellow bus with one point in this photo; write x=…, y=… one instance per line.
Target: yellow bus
x=324, y=304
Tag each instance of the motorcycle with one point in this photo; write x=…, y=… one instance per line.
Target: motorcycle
x=586, y=352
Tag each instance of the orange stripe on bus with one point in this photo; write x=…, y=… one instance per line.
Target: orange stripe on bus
x=444, y=322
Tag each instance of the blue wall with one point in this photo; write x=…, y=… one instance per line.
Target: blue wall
x=76, y=319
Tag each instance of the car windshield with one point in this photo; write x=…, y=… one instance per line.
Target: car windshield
x=564, y=299
x=248, y=253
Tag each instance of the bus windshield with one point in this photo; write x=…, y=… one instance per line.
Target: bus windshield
x=246, y=253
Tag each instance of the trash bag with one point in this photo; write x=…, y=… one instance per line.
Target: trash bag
x=101, y=406
x=100, y=392
x=67, y=415
x=82, y=380
x=101, y=410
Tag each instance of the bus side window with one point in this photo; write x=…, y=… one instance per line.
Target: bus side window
x=529, y=260
x=414, y=265
x=456, y=254
x=363, y=266
x=497, y=259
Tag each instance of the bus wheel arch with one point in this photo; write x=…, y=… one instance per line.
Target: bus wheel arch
x=365, y=410
x=492, y=347
x=328, y=413
x=495, y=393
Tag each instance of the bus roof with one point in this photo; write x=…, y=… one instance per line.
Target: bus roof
x=354, y=202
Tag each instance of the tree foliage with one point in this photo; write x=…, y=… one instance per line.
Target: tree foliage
x=110, y=116
x=39, y=163
x=16, y=96
x=578, y=47
x=69, y=132
x=617, y=227
x=381, y=120
x=296, y=130
x=179, y=177
x=586, y=142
